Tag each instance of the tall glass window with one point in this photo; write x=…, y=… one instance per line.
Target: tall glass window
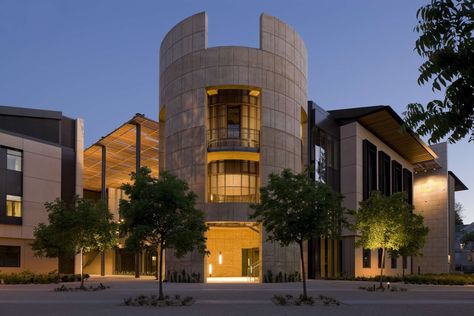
x=13, y=206
x=233, y=181
x=234, y=119
x=14, y=158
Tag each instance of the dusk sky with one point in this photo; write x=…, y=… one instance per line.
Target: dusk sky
x=98, y=60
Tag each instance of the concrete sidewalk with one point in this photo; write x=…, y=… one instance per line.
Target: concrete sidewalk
x=235, y=299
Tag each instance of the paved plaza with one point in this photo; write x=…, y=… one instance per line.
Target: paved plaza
x=235, y=299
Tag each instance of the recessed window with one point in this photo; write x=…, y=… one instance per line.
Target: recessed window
x=13, y=206
x=10, y=256
x=14, y=158
x=366, y=258
x=393, y=263
x=380, y=258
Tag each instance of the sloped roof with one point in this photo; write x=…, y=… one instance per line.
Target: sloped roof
x=387, y=125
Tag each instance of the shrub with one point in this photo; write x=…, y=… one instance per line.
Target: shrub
x=152, y=300
x=28, y=277
x=281, y=277
x=435, y=279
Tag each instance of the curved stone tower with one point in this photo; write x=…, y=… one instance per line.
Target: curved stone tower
x=229, y=117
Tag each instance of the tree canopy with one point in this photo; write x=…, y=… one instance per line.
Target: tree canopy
x=446, y=43
x=294, y=208
x=458, y=214
x=161, y=212
x=388, y=223
x=80, y=226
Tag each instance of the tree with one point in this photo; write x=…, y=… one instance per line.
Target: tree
x=446, y=42
x=294, y=208
x=388, y=223
x=458, y=214
x=74, y=228
x=468, y=238
x=414, y=235
x=161, y=213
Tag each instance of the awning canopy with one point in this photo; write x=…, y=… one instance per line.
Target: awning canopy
x=384, y=122
x=120, y=147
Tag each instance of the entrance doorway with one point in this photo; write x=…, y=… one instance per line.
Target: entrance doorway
x=234, y=252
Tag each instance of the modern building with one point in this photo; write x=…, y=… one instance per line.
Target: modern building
x=40, y=161
x=360, y=150
x=229, y=117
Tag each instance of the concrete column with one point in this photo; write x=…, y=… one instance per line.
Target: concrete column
x=103, y=196
x=138, y=152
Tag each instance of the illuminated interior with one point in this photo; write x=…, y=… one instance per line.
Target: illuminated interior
x=233, y=181
x=235, y=250
x=233, y=144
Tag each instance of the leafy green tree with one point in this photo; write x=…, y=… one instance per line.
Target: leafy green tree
x=161, y=213
x=414, y=235
x=468, y=238
x=458, y=214
x=74, y=228
x=388, y=223
x=446, y=43
x=294, y=208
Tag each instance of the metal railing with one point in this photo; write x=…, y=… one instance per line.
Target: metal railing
x=253, y=271
x=223, y=198
x=233, y=137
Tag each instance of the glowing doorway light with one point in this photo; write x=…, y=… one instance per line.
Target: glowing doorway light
x=210, y=269
x=220, y=257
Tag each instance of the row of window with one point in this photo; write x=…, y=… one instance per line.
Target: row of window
x=14, y=160
x=367, y=258
x=11, y=195
x=10, y=256
x=392, y=178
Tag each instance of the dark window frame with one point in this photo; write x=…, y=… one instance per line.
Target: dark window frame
x=384, y=173
x=380, y=257
x=397, y=177
x=408, y=185
x=366, y=258
x=369, y=167
x=393, y=261
x=3, y=258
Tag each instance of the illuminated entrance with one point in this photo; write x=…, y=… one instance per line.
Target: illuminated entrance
x=235, y=252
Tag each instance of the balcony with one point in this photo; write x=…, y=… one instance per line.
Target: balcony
x=232, y=138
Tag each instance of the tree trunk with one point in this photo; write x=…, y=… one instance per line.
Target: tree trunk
x=160, y=273
x=137, y=264
x=303, y=272
x=82, y=272
x=157, y=263
x=382, y=266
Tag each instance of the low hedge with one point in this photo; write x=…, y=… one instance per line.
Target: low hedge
x=28, y=277
x=436, y=279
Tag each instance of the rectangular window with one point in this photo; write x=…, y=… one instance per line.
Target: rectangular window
x=393, y=263
x=380, y=253
x=10, y=256
x=14, y=158
x=13, y=206
x=384, y=173
x=397, y=178
x=405, y=262
x=233, y=121
x=369, y=168
x=408, y=185
x=366, y=258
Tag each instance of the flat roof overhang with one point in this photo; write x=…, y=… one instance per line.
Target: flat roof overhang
x=384, y=122
x=121, y=147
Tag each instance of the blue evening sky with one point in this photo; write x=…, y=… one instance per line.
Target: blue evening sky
x=98, y=59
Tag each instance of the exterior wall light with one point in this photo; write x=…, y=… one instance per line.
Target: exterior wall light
x=210, y=269
x=254, y=93
x=220, y=257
